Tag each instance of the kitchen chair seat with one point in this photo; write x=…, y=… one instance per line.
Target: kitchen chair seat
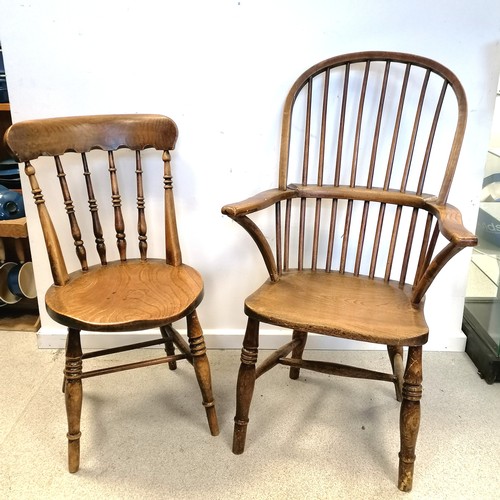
x=131, y=294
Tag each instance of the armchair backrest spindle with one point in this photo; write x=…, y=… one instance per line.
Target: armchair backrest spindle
x=357, y=145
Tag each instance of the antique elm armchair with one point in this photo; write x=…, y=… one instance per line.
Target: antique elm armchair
x=122, y=288
x=357, y=241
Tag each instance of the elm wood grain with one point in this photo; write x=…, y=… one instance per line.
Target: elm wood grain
x=340, y=305
x=132, y=294
x=358, y=243
x=123, y=294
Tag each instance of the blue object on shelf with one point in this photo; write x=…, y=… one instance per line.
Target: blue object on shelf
x=11, y=204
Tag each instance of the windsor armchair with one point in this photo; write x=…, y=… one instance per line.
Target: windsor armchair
x=357, y=240
x=120, y=289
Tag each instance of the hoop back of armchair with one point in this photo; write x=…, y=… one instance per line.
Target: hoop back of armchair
x=364, y=137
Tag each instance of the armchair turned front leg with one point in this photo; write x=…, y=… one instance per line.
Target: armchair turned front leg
x=410, y=417
x=245, y=385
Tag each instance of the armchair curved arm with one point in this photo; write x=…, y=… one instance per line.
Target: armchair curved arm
x=450, y=224
x=451, y=227
x=257, y=202
x=239, y=211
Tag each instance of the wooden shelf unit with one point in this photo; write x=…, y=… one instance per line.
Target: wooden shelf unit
x=15, y=228
x=22, y=316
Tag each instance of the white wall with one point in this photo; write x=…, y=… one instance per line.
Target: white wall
x=221, y=70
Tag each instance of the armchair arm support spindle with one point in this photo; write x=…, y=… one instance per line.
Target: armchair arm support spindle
x=261, y=242
x=239, y=211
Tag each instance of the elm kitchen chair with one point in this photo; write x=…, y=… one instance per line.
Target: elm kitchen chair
x=357, y=242
x=124, y=293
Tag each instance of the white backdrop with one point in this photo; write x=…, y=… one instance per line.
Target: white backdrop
x=221, y=70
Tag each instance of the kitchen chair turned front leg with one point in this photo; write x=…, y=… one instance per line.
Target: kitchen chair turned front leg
x=202, y=369
x=73, y=396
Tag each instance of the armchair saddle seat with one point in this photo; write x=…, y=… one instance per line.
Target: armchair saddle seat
x=340, y=305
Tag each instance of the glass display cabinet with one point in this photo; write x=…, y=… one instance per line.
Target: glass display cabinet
x=481, y=322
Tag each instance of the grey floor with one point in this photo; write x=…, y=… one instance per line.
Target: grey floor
x=144, y=433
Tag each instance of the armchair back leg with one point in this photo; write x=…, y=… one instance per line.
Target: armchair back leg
x=297, y=352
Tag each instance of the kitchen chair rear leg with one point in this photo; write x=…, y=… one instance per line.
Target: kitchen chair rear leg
x=169, y=347
x=297, y=352
x=410, y=416
x=245, y=385
x=73, y=396
x=202, y=369
x=396, y=357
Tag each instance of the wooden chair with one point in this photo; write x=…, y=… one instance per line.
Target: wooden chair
x=121, y=293
x=357, y=242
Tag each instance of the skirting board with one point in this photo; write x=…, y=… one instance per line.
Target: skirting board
x=232, y=339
